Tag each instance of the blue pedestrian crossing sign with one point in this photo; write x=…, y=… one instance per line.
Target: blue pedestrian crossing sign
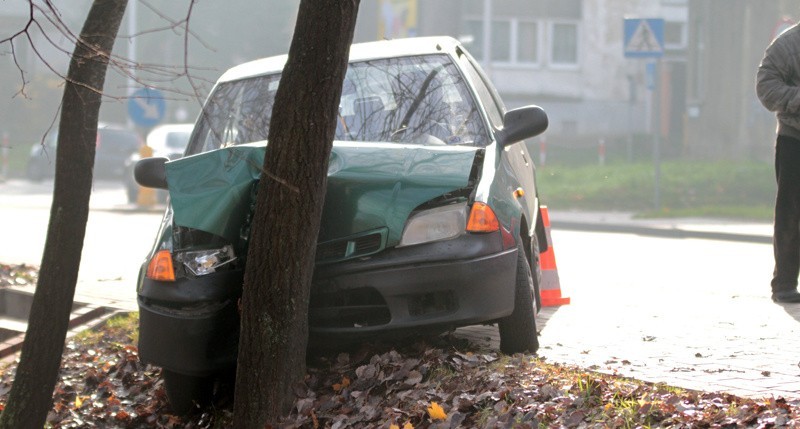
x=644, y=38
x=146, y=107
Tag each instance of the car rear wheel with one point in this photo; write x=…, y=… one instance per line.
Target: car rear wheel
x=187, y=392
x=518, y=330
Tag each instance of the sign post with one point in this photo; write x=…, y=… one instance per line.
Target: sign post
x=644, y=38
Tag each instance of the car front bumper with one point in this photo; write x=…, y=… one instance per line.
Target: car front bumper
x=191, y=326
x=433, y=286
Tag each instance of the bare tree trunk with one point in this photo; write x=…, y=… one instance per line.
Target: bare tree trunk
x=31, y=396
x=274, y=334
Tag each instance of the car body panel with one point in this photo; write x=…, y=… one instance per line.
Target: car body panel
x=212, y=191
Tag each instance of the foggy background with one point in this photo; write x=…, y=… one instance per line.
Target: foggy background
x=567, y=56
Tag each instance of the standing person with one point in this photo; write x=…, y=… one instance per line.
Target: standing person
x=777, y=87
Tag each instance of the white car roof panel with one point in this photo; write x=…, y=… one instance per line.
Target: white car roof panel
x=358, y=52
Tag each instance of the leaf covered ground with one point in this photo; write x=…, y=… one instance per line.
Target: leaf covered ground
x=442, y=382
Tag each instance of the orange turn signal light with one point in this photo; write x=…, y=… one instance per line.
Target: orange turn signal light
x=160, y=267
x=482, y=219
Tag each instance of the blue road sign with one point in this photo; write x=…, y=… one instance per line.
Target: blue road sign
x=146, y=107
x=644, y=38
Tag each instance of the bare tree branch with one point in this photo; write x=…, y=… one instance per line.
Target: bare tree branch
x=184, y=23
x=21, y=73
x=44, y=19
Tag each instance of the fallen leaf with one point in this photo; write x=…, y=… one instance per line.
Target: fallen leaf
x=122, y=416
x=337, y=387
x=414, y=377
x=436, y=412
x=79, y=401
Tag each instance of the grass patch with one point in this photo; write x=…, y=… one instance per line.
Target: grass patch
x=743, y=190
x=126, y=323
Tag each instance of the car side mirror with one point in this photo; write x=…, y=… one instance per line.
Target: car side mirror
x=522, y=123
x=151, y=172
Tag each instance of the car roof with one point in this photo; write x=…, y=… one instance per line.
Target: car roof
x=358, y=52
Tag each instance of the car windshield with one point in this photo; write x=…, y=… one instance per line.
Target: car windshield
x=419, y=99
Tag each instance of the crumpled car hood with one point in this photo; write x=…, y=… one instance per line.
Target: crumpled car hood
x=370, y=186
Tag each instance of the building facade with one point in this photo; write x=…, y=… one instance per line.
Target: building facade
x=727, y=40
x=568, y=57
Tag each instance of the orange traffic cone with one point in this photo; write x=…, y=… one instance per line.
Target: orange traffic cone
x=550, y=286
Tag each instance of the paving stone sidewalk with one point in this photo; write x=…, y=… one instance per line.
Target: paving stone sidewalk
x=733, y=339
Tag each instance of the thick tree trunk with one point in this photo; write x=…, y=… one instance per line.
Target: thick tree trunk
x=31, y=396
x=280, y=263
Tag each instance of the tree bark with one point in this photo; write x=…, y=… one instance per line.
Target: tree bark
x=274, y=327
x=31, y=396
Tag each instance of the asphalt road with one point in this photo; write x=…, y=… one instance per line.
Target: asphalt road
x=118, y=236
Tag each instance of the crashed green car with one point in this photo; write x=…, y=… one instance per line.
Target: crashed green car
x=431, y=218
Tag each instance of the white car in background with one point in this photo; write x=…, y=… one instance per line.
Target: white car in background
x=168, y=141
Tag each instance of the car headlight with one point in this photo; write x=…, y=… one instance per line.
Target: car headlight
x=203, y=262
x=435, y=224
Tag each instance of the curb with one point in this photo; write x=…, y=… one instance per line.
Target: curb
x=677, y=233
x=84, y=316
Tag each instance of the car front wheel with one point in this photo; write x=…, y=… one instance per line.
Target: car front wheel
x=518, y=330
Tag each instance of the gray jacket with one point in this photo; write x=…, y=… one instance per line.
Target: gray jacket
x=777, y=79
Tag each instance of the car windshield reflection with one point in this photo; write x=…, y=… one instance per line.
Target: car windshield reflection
x=419, y=100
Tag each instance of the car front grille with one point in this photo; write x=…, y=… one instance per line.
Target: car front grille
x=361, y=307
x=351, y=247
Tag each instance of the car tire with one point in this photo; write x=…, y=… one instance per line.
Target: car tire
x=518, y=330
x=187, y=392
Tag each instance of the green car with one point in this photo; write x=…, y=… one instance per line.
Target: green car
x=431, y=218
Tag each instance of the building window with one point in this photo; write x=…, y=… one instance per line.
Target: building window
x=519, y=42
x=501, y=41
x=513, y=41
x=564, y=44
